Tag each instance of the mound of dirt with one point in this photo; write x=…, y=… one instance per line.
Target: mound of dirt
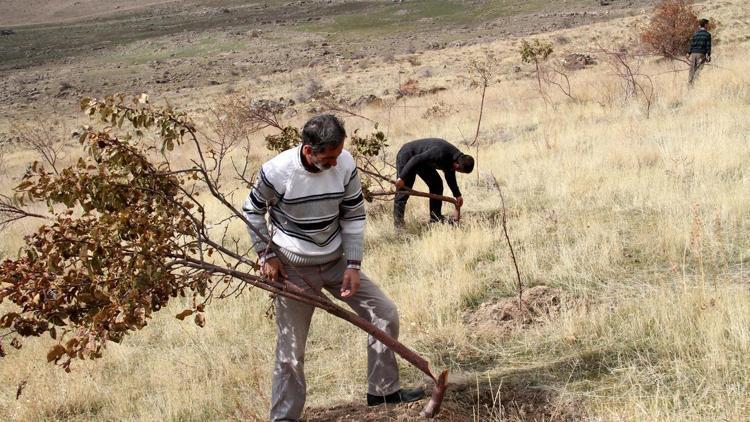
x=539, y=303
x=503, y=400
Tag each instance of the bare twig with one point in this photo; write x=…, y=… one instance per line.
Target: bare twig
x=9, y=212
x=629, y=71
x=510, y=245
x=40, y=138
x=484, y=70
x=241, y=173
x=481, y=110
x=564, y=84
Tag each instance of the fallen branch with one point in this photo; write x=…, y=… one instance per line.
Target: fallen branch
x=406, y=190
x=412, y=192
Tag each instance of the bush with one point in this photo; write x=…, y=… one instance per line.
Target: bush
x=673, y=24
x=535, y=52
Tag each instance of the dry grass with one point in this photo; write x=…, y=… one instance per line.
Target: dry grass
x=642, y=222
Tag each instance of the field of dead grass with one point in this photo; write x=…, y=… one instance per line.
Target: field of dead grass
x=640, y=223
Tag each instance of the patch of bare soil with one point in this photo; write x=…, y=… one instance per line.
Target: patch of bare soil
x=166, y=47
x=504, y=316
x=466, y=402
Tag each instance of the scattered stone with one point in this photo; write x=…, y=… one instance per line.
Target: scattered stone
x=576, y=61
x=366, y=100
x=270, y=106
x=321, y=94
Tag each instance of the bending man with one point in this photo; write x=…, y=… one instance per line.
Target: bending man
x=423, y=158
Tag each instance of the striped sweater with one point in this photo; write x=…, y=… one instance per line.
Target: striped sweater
x=314, y=217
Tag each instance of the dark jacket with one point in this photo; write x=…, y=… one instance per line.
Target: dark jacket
x=701, y=42
x=430, y=152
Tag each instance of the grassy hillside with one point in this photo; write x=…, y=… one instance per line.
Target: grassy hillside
x=77, y=29
x=636, y=224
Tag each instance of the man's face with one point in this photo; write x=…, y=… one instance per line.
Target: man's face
x=325, y=159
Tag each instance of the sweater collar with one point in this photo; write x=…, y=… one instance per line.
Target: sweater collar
x=301, y=160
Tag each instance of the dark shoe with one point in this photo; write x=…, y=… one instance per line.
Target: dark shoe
x=404, y=395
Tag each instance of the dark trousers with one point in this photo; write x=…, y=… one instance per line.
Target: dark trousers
x=696, y=63
x=435, y=184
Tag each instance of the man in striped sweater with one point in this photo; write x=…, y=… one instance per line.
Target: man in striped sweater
x=700, y=50
x=313, y=198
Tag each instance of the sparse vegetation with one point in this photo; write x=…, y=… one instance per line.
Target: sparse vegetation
x=43, y=138
x=537, y=53
x=635, y=226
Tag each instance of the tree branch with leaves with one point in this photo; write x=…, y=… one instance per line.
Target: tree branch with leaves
x=127, y=231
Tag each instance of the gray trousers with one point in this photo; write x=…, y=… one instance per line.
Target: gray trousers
x=696, y=61
x=293, y=322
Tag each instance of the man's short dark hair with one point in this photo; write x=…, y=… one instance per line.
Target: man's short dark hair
x=465, y=163
x=323, y=132
x=703, y=23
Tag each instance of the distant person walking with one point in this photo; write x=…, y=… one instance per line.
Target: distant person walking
x=423, y=158
x=700, y=50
